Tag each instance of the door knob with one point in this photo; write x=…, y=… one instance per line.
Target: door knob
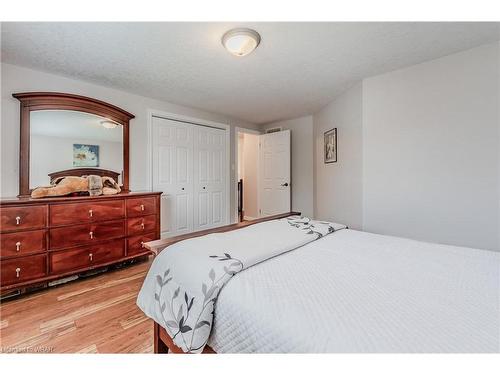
x=182, y=188
x=285, y=184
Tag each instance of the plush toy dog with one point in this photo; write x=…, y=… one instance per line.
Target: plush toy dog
x=95, y=185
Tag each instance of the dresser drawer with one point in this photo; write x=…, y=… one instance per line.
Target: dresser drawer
x=135, y=243
x=85, y=233
x=141, y=206
x=74, y=213
x=141, y=225
x=20, y=218
x=17, y=270
x=22, y=243
x=86, y=257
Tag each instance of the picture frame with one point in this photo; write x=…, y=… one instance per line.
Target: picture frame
x=85, y=155
x=330, y=146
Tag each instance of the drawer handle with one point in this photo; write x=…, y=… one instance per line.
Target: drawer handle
x=91, y=257
x=142, y=207
x=91, y=235
x=142, y=225
x=18, y=271
x=18, y=246
x=91, y=213
x=18, y=220
x=142, y=244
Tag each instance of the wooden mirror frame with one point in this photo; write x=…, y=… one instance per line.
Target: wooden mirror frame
x=36, y=101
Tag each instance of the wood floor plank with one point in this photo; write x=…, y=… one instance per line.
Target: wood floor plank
x=133, y=320
x=87, y=310
x=41, y=339
x=142, y=332
x=97, y=314
x=89, y=349
x=105, y=285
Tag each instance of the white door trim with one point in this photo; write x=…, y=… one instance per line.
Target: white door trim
x=194, y=121
x=235, y=172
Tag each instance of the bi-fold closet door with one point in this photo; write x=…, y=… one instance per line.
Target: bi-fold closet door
x=188, y=166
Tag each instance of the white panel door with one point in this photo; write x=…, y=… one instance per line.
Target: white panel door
x=210, y=177
x=172, y=166
x=274, y=172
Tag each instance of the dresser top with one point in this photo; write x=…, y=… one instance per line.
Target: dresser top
x=28, y=200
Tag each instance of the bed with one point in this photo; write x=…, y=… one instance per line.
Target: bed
x=344, y=291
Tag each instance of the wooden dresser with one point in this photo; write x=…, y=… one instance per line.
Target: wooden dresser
x=43, y=240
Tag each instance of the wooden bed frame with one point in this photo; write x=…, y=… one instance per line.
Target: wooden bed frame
x=163, y=343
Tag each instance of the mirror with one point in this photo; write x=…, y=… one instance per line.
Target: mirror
x=71, y=135
x=64, y=139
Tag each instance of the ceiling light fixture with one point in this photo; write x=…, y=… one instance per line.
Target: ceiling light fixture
x=240, y=42
x=109, y=124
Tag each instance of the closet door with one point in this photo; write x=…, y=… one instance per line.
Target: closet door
x=209, y=177
x=172, y=159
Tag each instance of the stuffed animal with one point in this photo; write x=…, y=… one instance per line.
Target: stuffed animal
x=95, y=185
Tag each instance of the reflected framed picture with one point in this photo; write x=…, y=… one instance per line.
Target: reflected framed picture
x=85, y=155
x=330, y=147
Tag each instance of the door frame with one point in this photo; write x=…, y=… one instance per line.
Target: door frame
x=238, y=130
x=194, y=121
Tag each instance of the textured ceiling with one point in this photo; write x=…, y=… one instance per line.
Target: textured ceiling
x=297, y=69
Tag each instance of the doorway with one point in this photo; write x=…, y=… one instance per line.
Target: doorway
x=247, y=170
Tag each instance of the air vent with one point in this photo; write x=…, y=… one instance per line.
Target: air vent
x=274, y=130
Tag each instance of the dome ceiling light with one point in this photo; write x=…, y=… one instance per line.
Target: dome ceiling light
x=241, y=42
x=109, y=124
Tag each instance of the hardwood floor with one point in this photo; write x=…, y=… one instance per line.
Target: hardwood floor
x=93, y=315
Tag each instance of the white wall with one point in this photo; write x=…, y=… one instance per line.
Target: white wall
x=51, y=154
x=250, y=175
x=418, y=152
x=498, y=148
x=338, y=186
x=19, y=79
x=498, y=140
x=430, y=150
x=301, y=130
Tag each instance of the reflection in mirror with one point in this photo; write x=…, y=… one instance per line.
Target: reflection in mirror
x=61, y=140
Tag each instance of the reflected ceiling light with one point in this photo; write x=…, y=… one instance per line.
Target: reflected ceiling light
x=109, y=124
x=240, y=42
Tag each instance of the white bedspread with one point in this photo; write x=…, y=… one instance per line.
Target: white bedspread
x=184, y=281
x=359, y=292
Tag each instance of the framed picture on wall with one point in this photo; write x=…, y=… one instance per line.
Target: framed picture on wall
x=330, y=148
x=85, y=155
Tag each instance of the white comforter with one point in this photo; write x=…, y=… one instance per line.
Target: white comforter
x=184, y=281
x=359, y=292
